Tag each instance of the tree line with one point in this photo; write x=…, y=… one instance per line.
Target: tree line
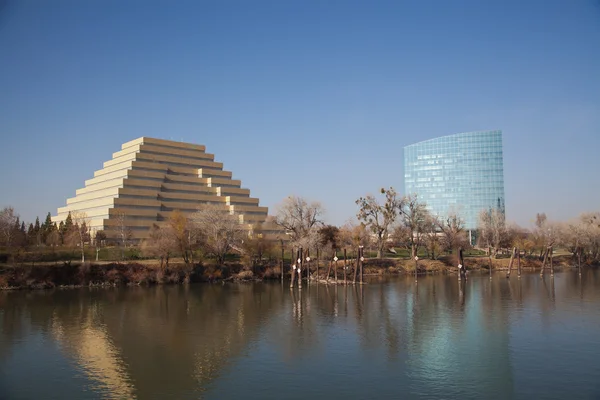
x=386, y=222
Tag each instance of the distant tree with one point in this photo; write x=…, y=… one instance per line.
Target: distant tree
x=53, y=238
x=218, y=231
x=378, y=218
x=413, y=215
x=66, y=227
x=453, y=230
x=354, y=235
x=78, y=235
x=30, y=235
x=492, y=229
x=37, y=232
x=257, y=245
x=160, y=244
x=122, y=229
x=184, y=235
x=432, y=236
x=8, y=219
x=301, y=220
x=330, y=236
x=61, y=231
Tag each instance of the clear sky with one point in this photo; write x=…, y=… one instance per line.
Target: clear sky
x=314, y=98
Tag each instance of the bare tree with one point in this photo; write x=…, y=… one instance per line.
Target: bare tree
x=413, y=216
x=492, y=229
x=301, y=220
x=378, y=218
x=432, y=235
x=123, y=231
x=453, y=229
x=160, y=244
x=590, y=223
x=218, y=231
x=78, y=234
x=8, y=219
x=184, y=235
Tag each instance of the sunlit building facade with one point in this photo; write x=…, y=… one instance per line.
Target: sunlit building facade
x=149, y=179
x=461, y=173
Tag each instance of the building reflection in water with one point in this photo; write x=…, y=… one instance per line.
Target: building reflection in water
x=440, y=337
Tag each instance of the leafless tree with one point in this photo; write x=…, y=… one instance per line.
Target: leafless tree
x=218, y=231
x=301, y=220
x=492, y=229
x=8, y=219
x=79, y=232
x=453, y=229
x=413, y=216
x=590, y=223
x=122, y=229
x=378, y=218
x=160, y=244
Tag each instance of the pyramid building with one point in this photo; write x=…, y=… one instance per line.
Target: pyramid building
x=150, y=178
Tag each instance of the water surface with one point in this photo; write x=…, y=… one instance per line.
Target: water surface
x=500, y=339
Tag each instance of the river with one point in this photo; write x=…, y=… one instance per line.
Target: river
x=524, y=338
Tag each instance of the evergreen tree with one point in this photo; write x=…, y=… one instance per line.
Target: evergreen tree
x=30, y=234
x=68, y=221
x=61, y=231
x=47, y=227
x=37, y=232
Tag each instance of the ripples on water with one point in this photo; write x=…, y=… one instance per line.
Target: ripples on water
x=522, y=339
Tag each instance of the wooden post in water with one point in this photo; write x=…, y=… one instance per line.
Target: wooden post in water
x=510, y=264
x=416, y=269
x=519, y=263
x=544, y=263
x=282, y=260
x=356, y=268
x=294, y=266
x=317, y=265
x=307, y=266
x=461, y=265
x=300, y=265
x=551, y=263
x=346, y=267
x=579, y=260
x=335, y=260
x=362, y=259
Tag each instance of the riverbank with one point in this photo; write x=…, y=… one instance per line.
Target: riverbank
x=47, y=276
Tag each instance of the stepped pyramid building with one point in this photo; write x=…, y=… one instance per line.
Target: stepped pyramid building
x=150, y=178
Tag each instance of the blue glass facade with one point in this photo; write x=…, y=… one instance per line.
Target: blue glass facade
x=462, y=173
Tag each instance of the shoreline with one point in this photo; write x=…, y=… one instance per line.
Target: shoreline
x=108, y=275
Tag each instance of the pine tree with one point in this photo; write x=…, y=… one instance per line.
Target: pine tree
x=30, y=234
x=47, y=227
x=61, y=231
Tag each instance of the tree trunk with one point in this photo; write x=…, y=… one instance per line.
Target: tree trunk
x=361, y=264
x=579, y=260
x=329, y=270
x=335, y=270
x=356, y=269
x=519, y=263
x=510, y=264
x=345, y=266
x=551, y=263
x=462, y=270
x=317, y=264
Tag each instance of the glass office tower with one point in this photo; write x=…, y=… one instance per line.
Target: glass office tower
x=460, y=173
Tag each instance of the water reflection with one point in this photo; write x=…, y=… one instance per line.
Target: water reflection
x=439, y=338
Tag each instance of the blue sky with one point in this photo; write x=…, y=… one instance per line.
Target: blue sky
x=313, y=98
